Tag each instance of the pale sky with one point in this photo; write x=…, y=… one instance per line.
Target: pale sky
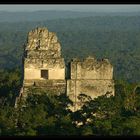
x=77, y=7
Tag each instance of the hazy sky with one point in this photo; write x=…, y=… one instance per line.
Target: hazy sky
x=83, y=7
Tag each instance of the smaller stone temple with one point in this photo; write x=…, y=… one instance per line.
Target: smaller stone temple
x=44, y=69
x=90, y=77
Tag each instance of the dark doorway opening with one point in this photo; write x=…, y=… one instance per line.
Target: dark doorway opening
x=44, y=74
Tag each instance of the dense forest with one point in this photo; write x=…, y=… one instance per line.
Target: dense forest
x=49, y=114
x=116, y=37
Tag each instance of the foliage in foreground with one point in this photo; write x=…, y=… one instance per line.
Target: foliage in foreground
x=49, y=114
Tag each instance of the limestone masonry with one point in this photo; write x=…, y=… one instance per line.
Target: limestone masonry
x=44, y=68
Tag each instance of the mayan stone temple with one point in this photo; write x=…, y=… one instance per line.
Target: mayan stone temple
x=89, y=77
x=44, y=68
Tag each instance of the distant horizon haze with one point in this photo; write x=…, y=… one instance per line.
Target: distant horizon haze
x=66, y=7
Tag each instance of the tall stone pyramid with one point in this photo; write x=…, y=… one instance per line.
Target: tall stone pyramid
x=43, y=66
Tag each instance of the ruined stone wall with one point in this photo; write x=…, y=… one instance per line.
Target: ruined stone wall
x=55, y=67
x=89, y=77
x=90, y=68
